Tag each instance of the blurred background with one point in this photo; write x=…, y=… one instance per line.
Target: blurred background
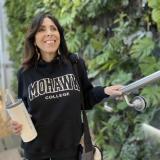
x=120, y=42
x=9, y=144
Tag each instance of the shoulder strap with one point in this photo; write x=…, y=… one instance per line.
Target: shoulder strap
x=74, y=58
x=87, y=137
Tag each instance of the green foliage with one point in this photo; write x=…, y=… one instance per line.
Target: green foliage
x=151, y=63
x=130, y=150
x=152, y=93
x=155, y=5
x=142, y=48
x=110, y=152
x=117, y=43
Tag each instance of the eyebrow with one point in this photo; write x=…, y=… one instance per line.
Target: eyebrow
x=50, y=25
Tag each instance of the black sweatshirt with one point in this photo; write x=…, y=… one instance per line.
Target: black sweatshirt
x=51, y=94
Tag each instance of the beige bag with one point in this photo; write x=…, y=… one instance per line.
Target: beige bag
x=97, y=154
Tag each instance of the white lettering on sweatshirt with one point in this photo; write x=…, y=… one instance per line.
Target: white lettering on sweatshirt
x=52, y=85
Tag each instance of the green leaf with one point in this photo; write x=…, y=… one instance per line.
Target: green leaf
x=154, y=3
x=113, y=120
x=152, y=95
x=156, y=17
x=120, y=77
x=98, y=61
x=129, y=151
x=110, y=152
x=149, y=65
x=121, y=106
x=142, y=48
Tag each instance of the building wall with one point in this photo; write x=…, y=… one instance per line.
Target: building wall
x=7, y=140
x=7, y=72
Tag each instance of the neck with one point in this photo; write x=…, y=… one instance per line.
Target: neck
x=48, y=57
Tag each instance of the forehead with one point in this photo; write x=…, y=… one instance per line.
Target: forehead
x=47, y=21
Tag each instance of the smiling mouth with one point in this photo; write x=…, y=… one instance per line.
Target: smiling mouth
x=50, y=41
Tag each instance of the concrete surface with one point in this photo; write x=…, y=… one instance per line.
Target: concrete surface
x=11, y=154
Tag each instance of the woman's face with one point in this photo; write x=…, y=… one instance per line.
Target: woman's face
x=47, y=37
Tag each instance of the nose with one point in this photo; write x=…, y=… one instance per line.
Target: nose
x=49, y=32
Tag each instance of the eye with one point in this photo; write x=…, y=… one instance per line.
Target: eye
x=53, y=28
x=41, y=29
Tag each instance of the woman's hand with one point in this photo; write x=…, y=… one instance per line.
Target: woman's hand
x=15, y=127
x=113, y=91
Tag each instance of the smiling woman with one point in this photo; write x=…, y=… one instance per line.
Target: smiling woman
x=44, y=40
x=47, y=39
x=51, y=92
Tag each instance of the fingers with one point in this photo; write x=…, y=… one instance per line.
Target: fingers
x=15, y=127
x=119, y=98
x=118, y=86
x=113, y=90
x=117, y=93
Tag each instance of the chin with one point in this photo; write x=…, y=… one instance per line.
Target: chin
x=53, y=52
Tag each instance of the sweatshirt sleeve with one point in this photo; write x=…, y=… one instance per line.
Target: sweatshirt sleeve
x=20, y=94
x=92, y=95
x=20, y=84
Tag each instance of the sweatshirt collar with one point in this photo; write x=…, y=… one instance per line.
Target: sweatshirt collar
x=43, y=63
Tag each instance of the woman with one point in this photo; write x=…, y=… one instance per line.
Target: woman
x=49, y=88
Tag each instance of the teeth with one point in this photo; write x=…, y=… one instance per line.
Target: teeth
x=50, y=42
